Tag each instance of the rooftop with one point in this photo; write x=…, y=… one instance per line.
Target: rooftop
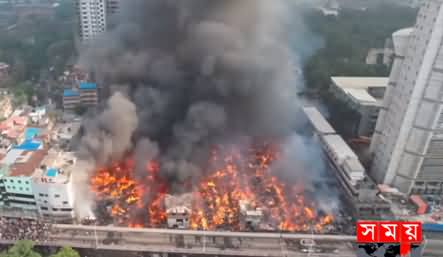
x=66, y=130
x=70, y=93
x=31, y=133
x=29, y=145
x=360, y=82
x=27, y=163
x=56, y=167
x=403, y=32
x=358, y=88
x=14, y=126
x=360, y=95
x=339, y=146
x=318, y=121
x=87, y=86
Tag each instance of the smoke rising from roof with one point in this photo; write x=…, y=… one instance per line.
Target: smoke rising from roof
x=192, y=74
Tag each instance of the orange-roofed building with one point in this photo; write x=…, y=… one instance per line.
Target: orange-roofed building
x=21, y=163
x=13, y=128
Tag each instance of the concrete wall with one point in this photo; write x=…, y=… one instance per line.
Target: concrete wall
x=54, y=200
x=409, y=117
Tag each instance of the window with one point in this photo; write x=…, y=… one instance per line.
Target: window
x=45, y=201
x=66, y=209
x=27, y=182
x=57, y=196
x=19, y=181
x=44, y=208
x=54, y=209
x=41, y=195
x=65, y=202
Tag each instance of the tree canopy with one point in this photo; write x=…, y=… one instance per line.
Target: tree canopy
x=347, y=40
x=21, y=249
x=66, y=252
x=36, y=40
x=38, y=45
x=25, y=248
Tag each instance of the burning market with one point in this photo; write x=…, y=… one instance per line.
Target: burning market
x=201, y=108
x=240, y=193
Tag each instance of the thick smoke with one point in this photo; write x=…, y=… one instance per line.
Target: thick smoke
x=109, y=135
x=194, y=73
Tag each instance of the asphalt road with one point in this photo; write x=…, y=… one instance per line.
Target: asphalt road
x=187, y=242
x=215, y=243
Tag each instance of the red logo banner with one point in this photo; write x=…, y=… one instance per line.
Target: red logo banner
x=393, y=232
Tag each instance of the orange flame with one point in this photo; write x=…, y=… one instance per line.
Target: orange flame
x=237, y=179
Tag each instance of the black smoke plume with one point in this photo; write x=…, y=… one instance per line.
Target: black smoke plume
x=195, y=73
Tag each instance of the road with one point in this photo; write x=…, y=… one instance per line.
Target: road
x=215, y=243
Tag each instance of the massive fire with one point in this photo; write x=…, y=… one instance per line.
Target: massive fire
x=234, y=179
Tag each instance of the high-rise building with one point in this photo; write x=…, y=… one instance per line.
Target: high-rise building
x=93, y=16
x=408, y=140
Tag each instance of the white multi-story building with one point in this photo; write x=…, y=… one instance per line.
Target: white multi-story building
x=359, y=191
x=408, y=139
x=363, y=95
x=93, y=16
x=53, y=187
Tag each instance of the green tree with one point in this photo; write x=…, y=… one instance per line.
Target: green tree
x=66, y=252
x=348, y=39
x=21, y=249
x=36, y=43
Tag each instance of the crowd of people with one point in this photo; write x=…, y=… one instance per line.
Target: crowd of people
x=24, y=229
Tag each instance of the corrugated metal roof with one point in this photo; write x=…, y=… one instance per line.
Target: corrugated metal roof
x=70, y=92
x=87, y=86
x=317, y=120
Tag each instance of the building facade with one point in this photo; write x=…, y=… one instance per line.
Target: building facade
x=71, y=99
x=52, y=186
x=93, y=16
x=359, y=192
x=19, y=166
x=363, y=95
x=36, y=180
x=88, y=94
x=408, y=142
